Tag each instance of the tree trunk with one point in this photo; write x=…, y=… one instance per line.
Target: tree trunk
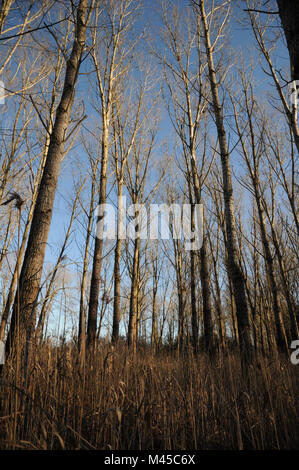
x=221, y=327
x=180, y=293
x=132, y=332
x=154, y=320
x=117, y=279
x=194, y=316
x=31, y=272
x=281, y=339
x=98, y=247
x=285, y=287
x=234, y=271
x=204, y=271
x=289, y=15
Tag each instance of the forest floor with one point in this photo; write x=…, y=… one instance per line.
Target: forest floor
x=162, y=402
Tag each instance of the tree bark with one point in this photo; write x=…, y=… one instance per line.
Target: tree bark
x=289, y=15
x=98, y=247
x=117, y=279
x=194, y=316
x=82, y=311
x=234, y=271
x=132, y=331
x=23, y=316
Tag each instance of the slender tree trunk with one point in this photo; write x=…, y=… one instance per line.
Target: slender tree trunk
x=206, y=297
x=253, y=169
x=98, y=247
x=106, y=82
x=221, y=328
x=194, y=316
x=132, y=333
x=154, y=319
x=180, y=294
x=117, y=279
x=285, y=287
x=204, y=270
x=82, y=311
x=234, y=271
x=154, y=300
x=31, y=272
x=281, y=339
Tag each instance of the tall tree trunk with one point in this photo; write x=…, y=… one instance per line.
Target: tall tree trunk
x=220, y=318
x=37, y=180
x=31, y=272
x=281, y=339
x=180, y=294
x=289, y=15
x=82, y=311
x=154, y=319
x=98, y=247
x=194, y=315
x=204, y=270
x=253, y=169
x=285, y=286
x=132, y=331
x=117, y=279
x=154, y=301
x=234, y=271
x=206, y=298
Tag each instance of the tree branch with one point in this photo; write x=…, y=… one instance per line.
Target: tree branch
x=262, y=11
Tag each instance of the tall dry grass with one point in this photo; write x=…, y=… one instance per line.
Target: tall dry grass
x=159, y=402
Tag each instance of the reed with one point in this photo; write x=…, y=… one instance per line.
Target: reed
x=122, y=401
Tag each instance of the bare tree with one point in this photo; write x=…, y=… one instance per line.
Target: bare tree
x=260, y=29
x=184, y=74
x=128, y=117
x=4, y=10
x=8, y=172
x=234, y=271
x=110, y=55
x=23, y=317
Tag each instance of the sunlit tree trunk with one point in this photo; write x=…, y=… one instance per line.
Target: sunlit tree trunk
x=234, y=271
x=23, y=316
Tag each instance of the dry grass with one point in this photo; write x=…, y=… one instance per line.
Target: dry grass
x=161, y=402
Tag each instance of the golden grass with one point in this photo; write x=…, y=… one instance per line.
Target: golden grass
x=155, y=402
